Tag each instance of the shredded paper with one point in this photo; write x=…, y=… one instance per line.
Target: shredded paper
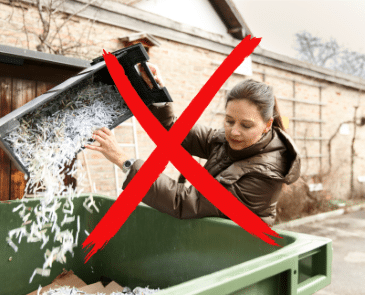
x=74, y=291
x=47, y=141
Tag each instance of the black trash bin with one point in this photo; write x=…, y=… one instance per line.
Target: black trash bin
x=96, y=74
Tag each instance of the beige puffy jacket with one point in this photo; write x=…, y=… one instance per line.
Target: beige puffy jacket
x=255, y=175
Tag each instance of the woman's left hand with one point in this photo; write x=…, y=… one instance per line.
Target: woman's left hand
x=155, y=72
x=109, y=146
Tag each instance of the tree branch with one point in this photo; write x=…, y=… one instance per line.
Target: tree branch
x=353, y=155
x=329, y=147
x=72, y=15
x=46, y=25
x=24, y=25
x=329, y=54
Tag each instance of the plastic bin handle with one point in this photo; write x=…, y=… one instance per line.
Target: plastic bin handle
x=310, y=283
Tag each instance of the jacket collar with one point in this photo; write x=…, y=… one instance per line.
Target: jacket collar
x=250, y=151
x=276, y=144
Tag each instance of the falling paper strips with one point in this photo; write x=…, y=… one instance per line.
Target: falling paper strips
x=47, y=141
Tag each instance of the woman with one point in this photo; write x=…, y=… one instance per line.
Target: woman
x=251, y=156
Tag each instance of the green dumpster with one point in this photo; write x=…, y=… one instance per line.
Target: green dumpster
x=196, y=256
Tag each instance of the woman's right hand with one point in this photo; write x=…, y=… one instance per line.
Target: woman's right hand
x=155, y=72
x=109, y=146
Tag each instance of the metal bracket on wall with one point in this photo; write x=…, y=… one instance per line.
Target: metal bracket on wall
x=315, y=156
x=307, y=120
x=264, y=73
x=302, y=101
x=310, y=138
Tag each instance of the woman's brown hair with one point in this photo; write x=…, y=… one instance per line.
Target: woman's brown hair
x=261, y=95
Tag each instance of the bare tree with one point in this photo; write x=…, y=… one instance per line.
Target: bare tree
x=352, y=62
x=329, y=54
x=55, y=24
x=312, y=49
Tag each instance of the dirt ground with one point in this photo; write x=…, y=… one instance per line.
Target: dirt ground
x=296, y=201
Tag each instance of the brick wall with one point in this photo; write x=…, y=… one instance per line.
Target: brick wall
x=185, y=70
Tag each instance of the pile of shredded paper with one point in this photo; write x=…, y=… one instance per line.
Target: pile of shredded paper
x=47, y=141
x=75, y=291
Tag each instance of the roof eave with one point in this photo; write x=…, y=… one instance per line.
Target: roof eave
x=232, y=18
x=26, y=54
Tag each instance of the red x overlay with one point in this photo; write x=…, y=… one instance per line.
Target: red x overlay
x=169, y=149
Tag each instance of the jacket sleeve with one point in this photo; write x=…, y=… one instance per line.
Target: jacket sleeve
x=258, y=194
x=175, y=199
x=197, y=142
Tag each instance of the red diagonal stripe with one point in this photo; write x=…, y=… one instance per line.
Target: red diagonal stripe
x=169, y=148
x=221, y=198
x=126, y=203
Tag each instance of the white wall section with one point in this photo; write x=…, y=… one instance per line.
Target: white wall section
x=197, y=13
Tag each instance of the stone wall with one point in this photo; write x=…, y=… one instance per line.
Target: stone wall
x=185, y=69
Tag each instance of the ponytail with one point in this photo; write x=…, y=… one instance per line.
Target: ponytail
x=278, y=122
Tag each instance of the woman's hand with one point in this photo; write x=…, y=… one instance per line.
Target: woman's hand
x=155, y=72
x=109, y=146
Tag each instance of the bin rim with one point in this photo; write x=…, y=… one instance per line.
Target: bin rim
x=285, y=258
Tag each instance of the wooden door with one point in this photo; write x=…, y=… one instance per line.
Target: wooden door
x=5, y=108
x=15, y=93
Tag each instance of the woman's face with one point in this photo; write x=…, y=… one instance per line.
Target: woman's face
x=243, y=124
